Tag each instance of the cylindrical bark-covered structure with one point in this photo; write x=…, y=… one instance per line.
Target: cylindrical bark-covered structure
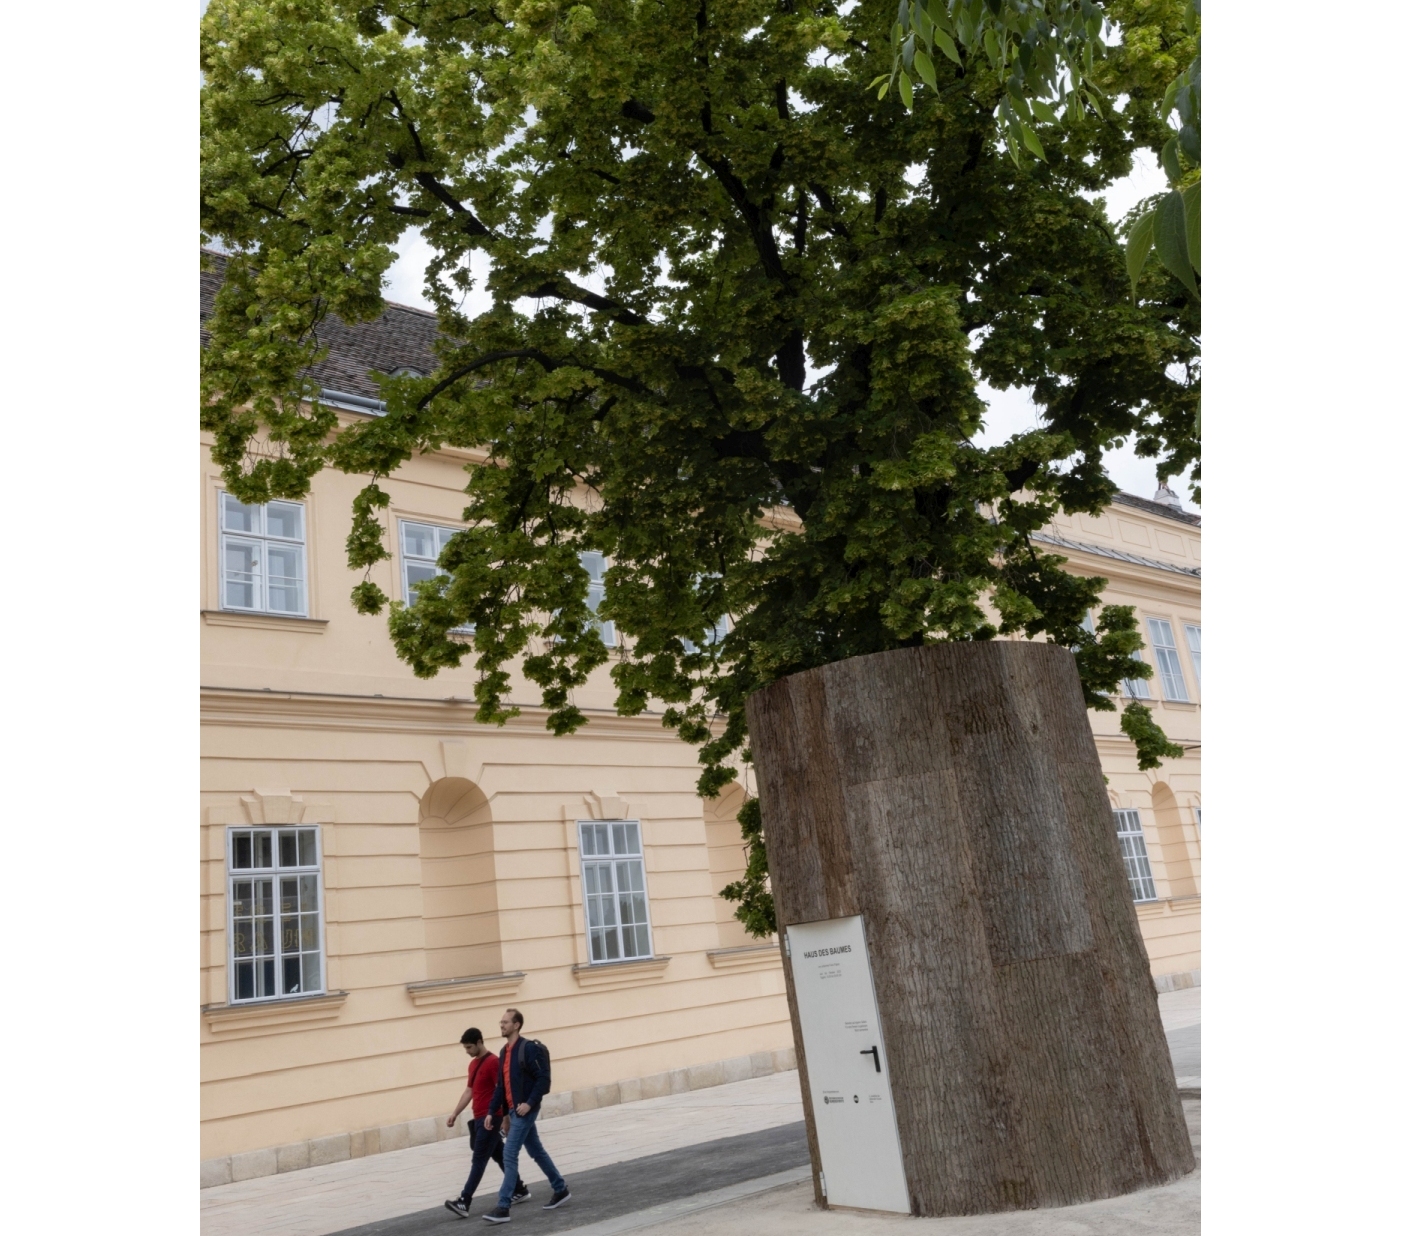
x=952, y=796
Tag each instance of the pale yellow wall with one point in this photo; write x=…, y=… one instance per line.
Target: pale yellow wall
x=451, y=848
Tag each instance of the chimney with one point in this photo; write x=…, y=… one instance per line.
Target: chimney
x=1167, y=497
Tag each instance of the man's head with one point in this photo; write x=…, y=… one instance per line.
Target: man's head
x=472, y=1041
x=511, y=1023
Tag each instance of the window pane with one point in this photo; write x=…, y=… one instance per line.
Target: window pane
x=285, y=520
x=266, y=978
x=289, y=895
x=610, y=941
x=242, y=573
x=309, y=892
x=240, y=518
x=644, y=943
x=262, y=937
x=595, y=564
x=586, y=840
x=596, y=946
x=419, y=541
x=605, y=877
x=306, y=847
x=243, y=981
x=243, y=937
x=242, y=898
x=287, y=850
x=291, y=976
x=311, y=972
x=311, y=931
x=1170, y=670
x=634, y=845
x=591, y=879
x=609, y=915
x=415, y=573
x=629, y=942
x=242, y=851
x=620, y=839
x=285, y=577
x=262, y=897
x=262, y=850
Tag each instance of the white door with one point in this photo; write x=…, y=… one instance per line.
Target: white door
x=848, y=1073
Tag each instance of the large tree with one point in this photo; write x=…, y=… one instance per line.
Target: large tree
x=740, y=308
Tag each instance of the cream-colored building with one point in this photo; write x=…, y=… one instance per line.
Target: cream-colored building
x=379, y=871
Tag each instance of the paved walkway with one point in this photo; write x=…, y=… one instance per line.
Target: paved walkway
x=339, y=1196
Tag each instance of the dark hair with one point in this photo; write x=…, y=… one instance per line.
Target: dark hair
x=471, y=1035
x=516, y=1016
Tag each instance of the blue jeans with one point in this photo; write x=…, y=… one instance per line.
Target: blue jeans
x=523, y=1133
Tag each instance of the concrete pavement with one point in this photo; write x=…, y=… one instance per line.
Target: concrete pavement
x=398, y=1193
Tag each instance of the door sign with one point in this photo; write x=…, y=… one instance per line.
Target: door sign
x=848, y=1071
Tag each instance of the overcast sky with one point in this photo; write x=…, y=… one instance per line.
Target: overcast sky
x=1009, y=411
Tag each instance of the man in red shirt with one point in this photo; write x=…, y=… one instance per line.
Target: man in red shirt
x=483, y=1071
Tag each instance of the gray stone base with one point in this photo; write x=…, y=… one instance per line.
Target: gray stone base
x=1178, y=981
x=341, y=1146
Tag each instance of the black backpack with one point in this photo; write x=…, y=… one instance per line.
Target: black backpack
x=542, y=1057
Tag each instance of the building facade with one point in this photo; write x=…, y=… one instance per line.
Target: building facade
x=379, y=871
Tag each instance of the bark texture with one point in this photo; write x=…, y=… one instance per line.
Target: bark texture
x=952, y=795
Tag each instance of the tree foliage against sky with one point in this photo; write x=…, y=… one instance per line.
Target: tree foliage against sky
x=726, y=281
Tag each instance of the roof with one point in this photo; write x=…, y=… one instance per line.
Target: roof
x=1158, y=508
x=401, y=337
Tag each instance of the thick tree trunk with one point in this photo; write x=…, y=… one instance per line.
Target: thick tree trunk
x=952, y=795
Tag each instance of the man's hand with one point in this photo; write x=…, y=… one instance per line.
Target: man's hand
x=487, y=1122
x=452, y=1120
x=522, y=1109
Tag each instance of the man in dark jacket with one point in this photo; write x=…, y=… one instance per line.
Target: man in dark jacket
x=524, y=1082
x=483, y=1072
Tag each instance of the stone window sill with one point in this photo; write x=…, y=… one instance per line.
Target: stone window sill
x=606, y=975
x=746, y=957
x=473, y=989
x=265, y=622
x=266, y=1016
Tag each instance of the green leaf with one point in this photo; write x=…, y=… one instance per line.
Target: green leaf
x=947, y=46
x=1168, y=158
x=939, y=15
x=991, y=46
x=1031, y=141
x=1043, y=112
x=907, y=91
x=1170, y=240
x=1192, y=207
x=1139, y=247
x=923, y=26
x=1165, y=112
x=885, y=86
x=925, y=68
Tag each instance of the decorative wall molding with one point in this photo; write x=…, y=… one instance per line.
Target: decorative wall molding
x=269, y=1016
x=464, y=992
x=607, y=975
x=606, y=805
x=746, y=957
x=273, y=807
x=266, y=622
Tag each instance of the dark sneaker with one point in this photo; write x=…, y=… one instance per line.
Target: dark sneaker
x=502, y=1214
x=458, y=1207
x=522, y=1193
x=558, y=1199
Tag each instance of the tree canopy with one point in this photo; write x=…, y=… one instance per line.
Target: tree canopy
x=739, y=311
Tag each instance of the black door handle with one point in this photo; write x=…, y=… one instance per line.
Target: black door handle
x=873, y=1051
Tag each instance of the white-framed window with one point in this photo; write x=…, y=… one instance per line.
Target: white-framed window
x=1194, y=647
x=420, y=546
x=596, y=564
x=1197, y=818
x=275, y=922
x=615, y=890
x=1169, y=667
x=1129, y=829
x=1137, y=688
x=262, y=556
x=713, y=635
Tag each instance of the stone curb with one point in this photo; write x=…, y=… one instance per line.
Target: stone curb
x=341, y=1146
